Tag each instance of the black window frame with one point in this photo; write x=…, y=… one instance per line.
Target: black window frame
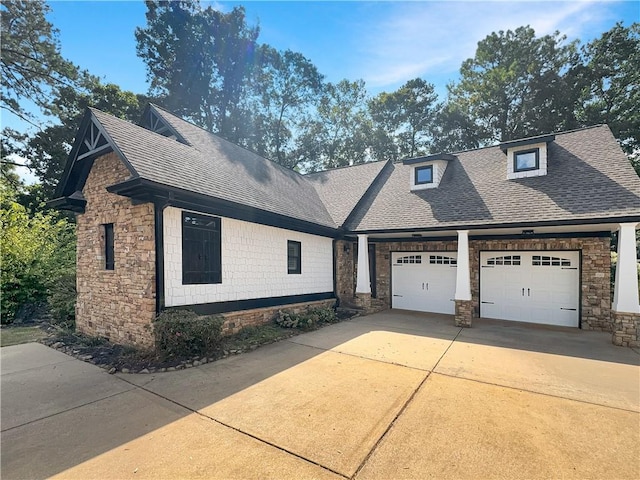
x=297, y=269
x=198, y=240
x=420, y=169
x=109, y=246
x=525, y=152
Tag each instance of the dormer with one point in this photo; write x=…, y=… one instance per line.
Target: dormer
x=426, y=172
x=527, y=157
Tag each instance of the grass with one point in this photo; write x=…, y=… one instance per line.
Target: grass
x=17, y=335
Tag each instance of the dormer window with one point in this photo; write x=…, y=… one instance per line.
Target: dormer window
x=527, y=157
x=424, y=174
x=526, y=160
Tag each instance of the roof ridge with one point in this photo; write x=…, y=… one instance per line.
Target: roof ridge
x=344, y=167
x=497, y=145
x=282, y=167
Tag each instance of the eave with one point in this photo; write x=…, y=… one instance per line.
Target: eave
x=141, y=190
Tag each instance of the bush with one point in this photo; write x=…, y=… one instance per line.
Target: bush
x=37, y=250
x=183, y=334
x=313, y=318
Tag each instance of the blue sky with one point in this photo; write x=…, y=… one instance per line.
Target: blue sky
x=385, y=43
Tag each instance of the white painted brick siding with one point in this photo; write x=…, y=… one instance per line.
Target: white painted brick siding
x=254, y=263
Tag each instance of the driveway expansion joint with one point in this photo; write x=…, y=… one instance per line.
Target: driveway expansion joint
x=67, y=410
x=519, y=389
x=362, y=357
x=401, y=411
x=203, y=415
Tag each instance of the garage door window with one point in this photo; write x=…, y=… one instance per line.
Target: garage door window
x=506, y=260
x=442, y=260
x=542, y=261
x=410, y=259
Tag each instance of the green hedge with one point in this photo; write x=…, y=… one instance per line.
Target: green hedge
x=183, y=333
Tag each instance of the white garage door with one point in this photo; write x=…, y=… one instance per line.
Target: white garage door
x=423, y=281
x=537, y=287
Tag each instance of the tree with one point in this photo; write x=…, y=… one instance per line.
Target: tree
x=453, y=131
x=289, y=85
x=610, y=77
x=38, y=250
x=403, y=120
x=31, y=64
x=339, y=133
x=199, y=62
x=517, y=85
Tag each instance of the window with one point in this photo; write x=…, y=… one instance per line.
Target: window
x=410, y=259
x=424, y=175
x=506, y=260
x=294, y=257
x=526, y=160
x=109, y=258
x=442, y=260
x=542, y=261
x=201, y=249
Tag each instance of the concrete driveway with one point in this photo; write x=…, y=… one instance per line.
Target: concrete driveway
x=387, y=396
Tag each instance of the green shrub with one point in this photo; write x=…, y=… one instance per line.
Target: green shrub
x=183, y=333
x=325, y=314
x=37, y=250
x=309, y=320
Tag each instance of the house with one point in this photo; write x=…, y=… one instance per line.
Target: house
x=169, y=215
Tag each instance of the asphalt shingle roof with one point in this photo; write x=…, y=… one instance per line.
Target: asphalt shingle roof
x=342, y=188
x=588, y=177
x=215, y=167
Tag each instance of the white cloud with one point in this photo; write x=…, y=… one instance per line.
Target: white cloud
x=433, y=38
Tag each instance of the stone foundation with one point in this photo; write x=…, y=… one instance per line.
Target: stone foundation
x=362, y=301
x=236, y=321
x=626, y=329
x=464, y=313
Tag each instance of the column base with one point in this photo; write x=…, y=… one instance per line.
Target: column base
x=464, y=313
x=626, y=329
x=363, y=301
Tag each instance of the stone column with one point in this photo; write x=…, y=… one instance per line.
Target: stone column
x=464, y=305
x=625, y=311
x=363, y=281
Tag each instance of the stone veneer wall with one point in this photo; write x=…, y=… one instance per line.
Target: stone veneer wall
x=345, y=268
x=595, y=279
x=626, y=329
x=117, y=304
x=236, y=321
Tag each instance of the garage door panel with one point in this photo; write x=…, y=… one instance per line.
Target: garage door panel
x=427, y=285
x=539, y=287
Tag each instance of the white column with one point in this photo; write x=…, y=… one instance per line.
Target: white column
x=625, y=296
x=363, y=283
x=463, y=274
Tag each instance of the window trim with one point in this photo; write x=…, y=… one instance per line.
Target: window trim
x=214, y=276
x=109, y=246
x=420, y=169
x=524, y=152
x=297, y=270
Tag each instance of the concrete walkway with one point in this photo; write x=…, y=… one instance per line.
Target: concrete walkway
x=387, y=396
